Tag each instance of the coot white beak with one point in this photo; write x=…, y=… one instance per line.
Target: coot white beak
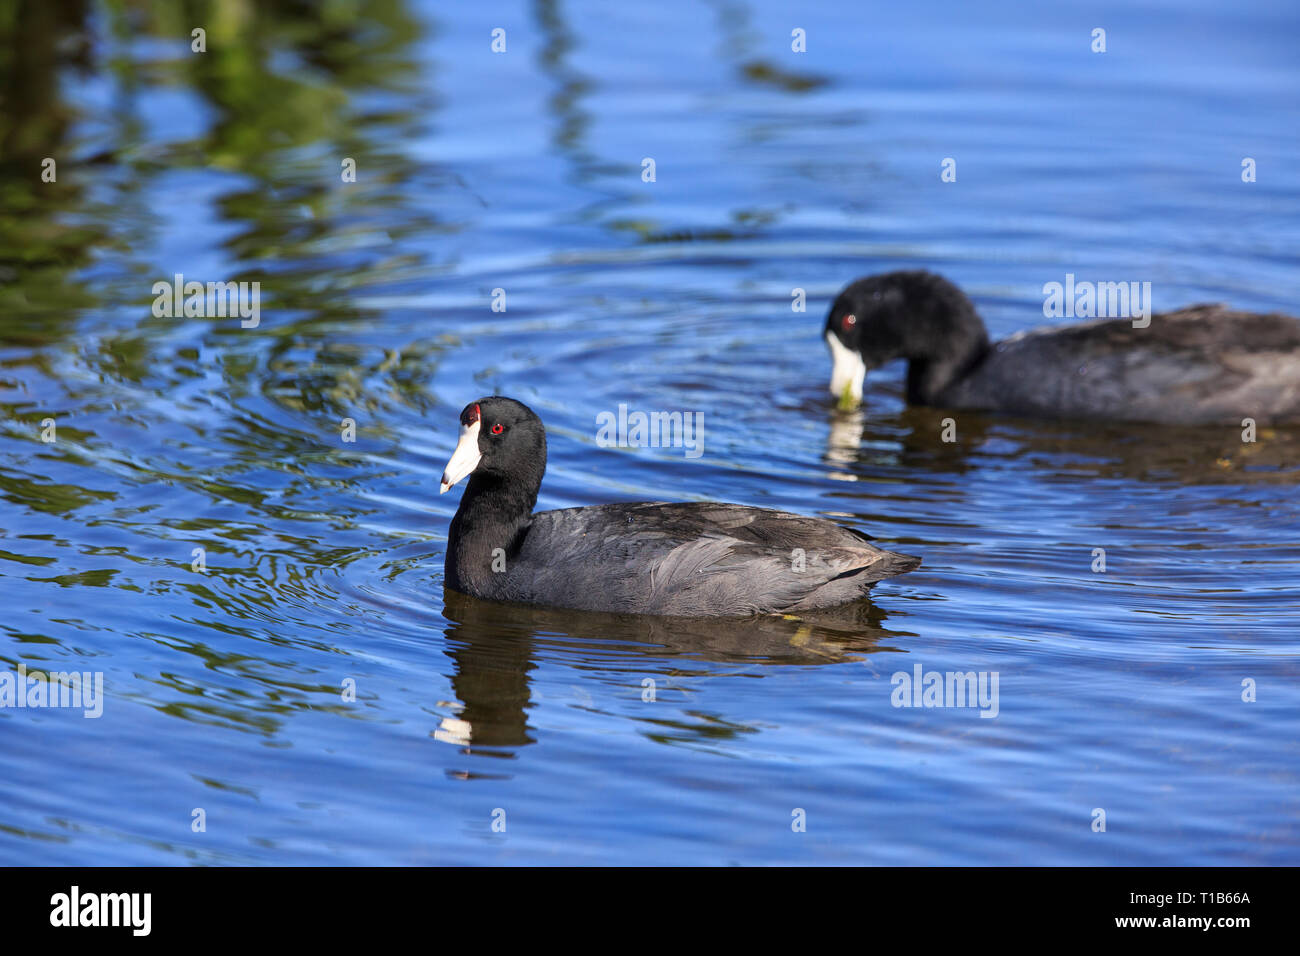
x=464, y=459
x=847, y=370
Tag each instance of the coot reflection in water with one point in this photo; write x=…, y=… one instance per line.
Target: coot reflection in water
x=493, y=644
x=863, y=441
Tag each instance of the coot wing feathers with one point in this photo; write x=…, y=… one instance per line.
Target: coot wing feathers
x=696, y=558
x=1201, y=365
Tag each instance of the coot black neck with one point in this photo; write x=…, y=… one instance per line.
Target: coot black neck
x=928, y=377
x=488, y=530
x=945, y=338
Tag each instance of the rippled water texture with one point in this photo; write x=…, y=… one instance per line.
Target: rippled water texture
x=489, y=734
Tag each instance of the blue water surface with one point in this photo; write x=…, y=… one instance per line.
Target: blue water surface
x=315, y=697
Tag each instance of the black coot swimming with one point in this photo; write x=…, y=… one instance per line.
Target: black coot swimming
x=1206, y=364
x=696, y=559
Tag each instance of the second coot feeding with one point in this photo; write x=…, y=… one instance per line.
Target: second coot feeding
x=1206, y=364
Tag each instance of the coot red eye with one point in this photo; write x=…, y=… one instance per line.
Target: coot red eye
x=498, y=428
x=848, y=322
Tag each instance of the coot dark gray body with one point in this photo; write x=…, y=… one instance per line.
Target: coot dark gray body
x=695, y=559
x=1206, y=364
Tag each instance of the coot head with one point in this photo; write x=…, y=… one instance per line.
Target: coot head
x=918, y=316
x=502, y=442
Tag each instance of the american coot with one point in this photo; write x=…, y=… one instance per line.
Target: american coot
x=1200, y=365
x=696, y=559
